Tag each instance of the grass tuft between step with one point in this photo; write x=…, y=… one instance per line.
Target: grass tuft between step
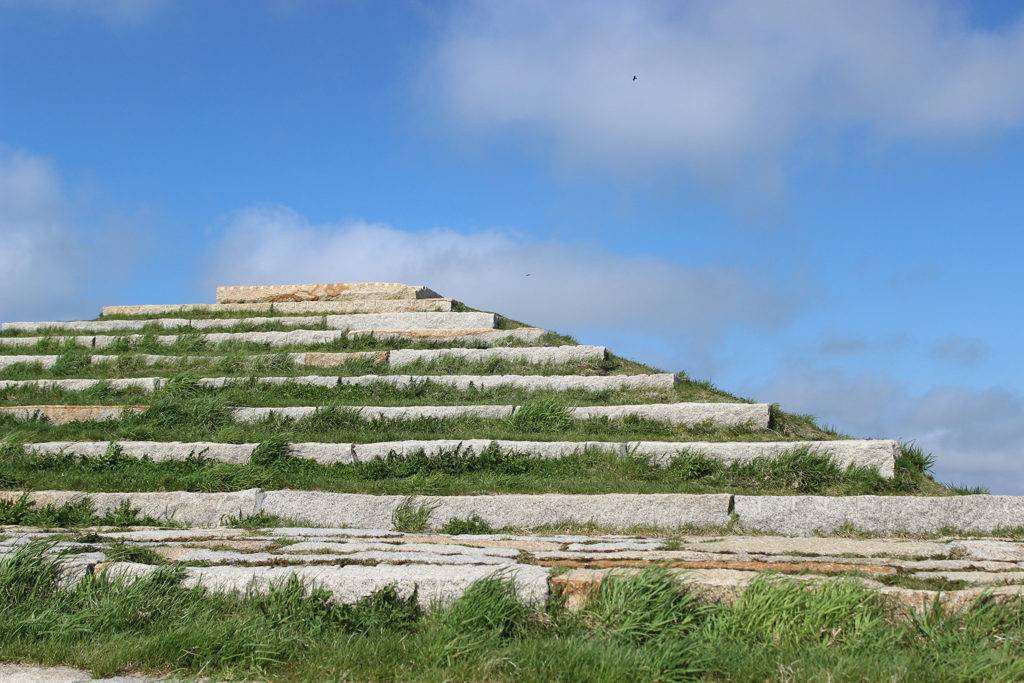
x=643, y=627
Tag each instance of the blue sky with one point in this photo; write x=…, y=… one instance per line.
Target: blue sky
x=816, y=204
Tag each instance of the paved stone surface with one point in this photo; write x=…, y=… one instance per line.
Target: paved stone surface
x=804, y=515
x=386, y=322
x=322, y=292
x=553, y=355
x=292, y=307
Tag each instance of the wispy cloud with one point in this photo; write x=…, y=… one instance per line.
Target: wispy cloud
x=49, y=262
x=574, y=288
x=726, y=85
x=977, y=436
x=960, y=350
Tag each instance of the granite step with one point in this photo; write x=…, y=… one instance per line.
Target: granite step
x=294, y=337
x=439, y=305
x=348, y=291
x=756, y=415
x=59, y=415
x=863, y=453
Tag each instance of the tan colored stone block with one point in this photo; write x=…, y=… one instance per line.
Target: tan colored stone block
x=59, y=415
x=331, y=360
x=438, y=305
x=345, y=291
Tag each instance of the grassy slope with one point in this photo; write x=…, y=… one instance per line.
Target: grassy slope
x=643, y=628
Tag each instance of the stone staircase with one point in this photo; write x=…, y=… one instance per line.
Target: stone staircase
x=279, y=346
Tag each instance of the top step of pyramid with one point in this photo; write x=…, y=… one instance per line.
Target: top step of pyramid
x=346, y=291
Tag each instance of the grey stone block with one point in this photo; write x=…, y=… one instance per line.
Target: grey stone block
x=524, y=334
x=804, y=515
x=539, y=449
x=323, y=453
x=554, y=355
x=612, y=510
x=157, y=451
x=722, y=414
x=346, y=291
x=45, y=362
x=436, y=584
x=526, y=382
x=293, y=321
x=63, y=384
x=193, y=509
x=386, y=322
x=372, y=412
x=86, y=341
x=271, y=338
x=860, y=452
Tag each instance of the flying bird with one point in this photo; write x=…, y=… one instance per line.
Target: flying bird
x=527, y=275
x=634, y=78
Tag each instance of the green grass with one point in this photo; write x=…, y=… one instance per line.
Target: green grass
x=641, y=628
x=25, y=512
x=452, y=473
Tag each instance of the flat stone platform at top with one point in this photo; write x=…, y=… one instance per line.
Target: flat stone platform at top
x=324, y=292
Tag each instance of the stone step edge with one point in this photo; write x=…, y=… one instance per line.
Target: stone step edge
x=782, y=515
x=306, y=337
x=536, y=355
x=439, y=305
x=323, y=292
x=151, y=384
x=880, y=454
x=757, y=415
x=361, y=322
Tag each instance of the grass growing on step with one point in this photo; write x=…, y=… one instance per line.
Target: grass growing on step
x=642, y=628
x=453, y=472
x=80, y=513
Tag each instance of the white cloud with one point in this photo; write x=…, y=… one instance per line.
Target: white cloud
x=573, y=288
x=41, y=257
x=724, y=84
x=977, y=436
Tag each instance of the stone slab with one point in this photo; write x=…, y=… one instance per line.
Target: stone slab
x=719, y=414
x=388, y=322
x=805, y=515
x=514, y=510
x=59, y=415
x=552, y=355
x=293, y=307
x=322, y=292
x=386, y=412
x=158, y=451
x=539, y=449
x=86, y=341
x=436, y=584
x=530, y=335
x=45, y=362
x=878, y=453
x=193, y=509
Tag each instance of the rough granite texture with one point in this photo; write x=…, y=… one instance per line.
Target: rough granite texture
x=861, y=452
x=61, y=414
x=515, y=510
x=385, y=322
x=804, y=515
x=192, y=509
x=372, y=412
x=45, y=362
x=346, y=291
x=291, y=307
x=555, y=355
x=756, y=414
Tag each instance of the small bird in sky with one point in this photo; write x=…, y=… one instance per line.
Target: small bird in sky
x=527, y=275
x=634, y=78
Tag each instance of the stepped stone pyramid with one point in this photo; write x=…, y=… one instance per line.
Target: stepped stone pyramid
x=394, y=436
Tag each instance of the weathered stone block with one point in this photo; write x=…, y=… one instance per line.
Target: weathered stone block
x=384, y=322
x=322, y=292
